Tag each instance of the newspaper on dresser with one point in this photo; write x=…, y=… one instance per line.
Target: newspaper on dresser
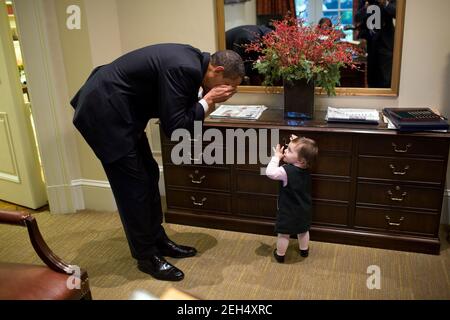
x=246, y=112
x=352, y=115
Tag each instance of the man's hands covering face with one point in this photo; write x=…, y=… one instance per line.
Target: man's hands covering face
x=219, y=94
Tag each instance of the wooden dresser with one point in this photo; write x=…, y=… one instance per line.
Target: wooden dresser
x=371, y=186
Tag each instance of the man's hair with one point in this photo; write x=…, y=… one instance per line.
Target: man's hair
x=231, y=62
x=308, y=150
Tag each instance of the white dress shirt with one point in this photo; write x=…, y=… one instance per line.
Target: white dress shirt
x=202, y=101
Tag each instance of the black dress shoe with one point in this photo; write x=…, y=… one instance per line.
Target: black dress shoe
x=280, y=259
x=169, y=248
x=159, y=268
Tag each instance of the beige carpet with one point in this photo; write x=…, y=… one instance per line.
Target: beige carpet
x=231, y=265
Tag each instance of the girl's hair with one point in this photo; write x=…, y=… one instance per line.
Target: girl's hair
x=306, y=149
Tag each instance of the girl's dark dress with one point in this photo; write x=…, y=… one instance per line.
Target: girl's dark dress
x=294, y=202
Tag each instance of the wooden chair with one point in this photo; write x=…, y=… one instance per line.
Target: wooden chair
x=55, y=281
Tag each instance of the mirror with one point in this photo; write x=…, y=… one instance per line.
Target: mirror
x=373, y=79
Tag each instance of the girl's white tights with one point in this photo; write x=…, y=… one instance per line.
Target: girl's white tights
x=283, y=242
x=303, y=240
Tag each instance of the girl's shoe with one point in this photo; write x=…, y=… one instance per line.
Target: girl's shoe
x=280, y=259
x=304, y=253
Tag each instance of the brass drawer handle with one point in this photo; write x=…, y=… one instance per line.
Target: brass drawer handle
x=399, y=173
x=199, y=181
x=396, y=224
x=409, y=145
x=403, y=195
x=198, y=204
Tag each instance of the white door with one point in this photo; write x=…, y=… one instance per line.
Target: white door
x=20, y=173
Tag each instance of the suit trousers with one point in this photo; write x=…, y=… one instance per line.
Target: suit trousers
x=134, y=182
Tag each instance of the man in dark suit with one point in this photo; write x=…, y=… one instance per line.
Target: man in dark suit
x=112, y=110
x=237, y=38
x=380, y=42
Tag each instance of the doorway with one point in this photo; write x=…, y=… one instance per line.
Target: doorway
x=21, y=176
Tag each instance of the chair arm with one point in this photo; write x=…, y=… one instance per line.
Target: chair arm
x=16, y=218
x=44, y=252
x=40, y=246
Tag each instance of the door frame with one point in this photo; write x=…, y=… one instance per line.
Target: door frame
x=43, y=61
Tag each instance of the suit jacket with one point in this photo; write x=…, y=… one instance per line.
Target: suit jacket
x=115, y=104
x=238, y=37
x=381, y=40
x=242, y=35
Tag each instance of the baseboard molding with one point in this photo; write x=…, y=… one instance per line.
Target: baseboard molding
x=91, y=183
x=92, y=195
x=60, y=199
x=97, y=194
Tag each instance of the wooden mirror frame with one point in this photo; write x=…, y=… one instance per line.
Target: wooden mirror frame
x=340, y=91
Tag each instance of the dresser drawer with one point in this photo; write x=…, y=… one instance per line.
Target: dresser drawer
x=408, y=146
x=255, y=206
x=330, y=189
x=325, y=142
x=197, y=177
x=195, y=138
x=254, y=183
x=331, y=165
x=402, y=169
x=399, y=195
x=331, y=214
x=199, y=201
x=325, y=189
x=213, y=156
x=250, y=160
x=328, y=213
x=396, y=221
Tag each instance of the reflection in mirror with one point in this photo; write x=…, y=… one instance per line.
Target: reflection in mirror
x=245, y=21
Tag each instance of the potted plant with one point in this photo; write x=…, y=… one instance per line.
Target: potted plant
x=301, y=57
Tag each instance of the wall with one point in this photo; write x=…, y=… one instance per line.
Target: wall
x=77, y=57
x=103, y=30
x=96, y=43
x=239, y=14
x=144, y=22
